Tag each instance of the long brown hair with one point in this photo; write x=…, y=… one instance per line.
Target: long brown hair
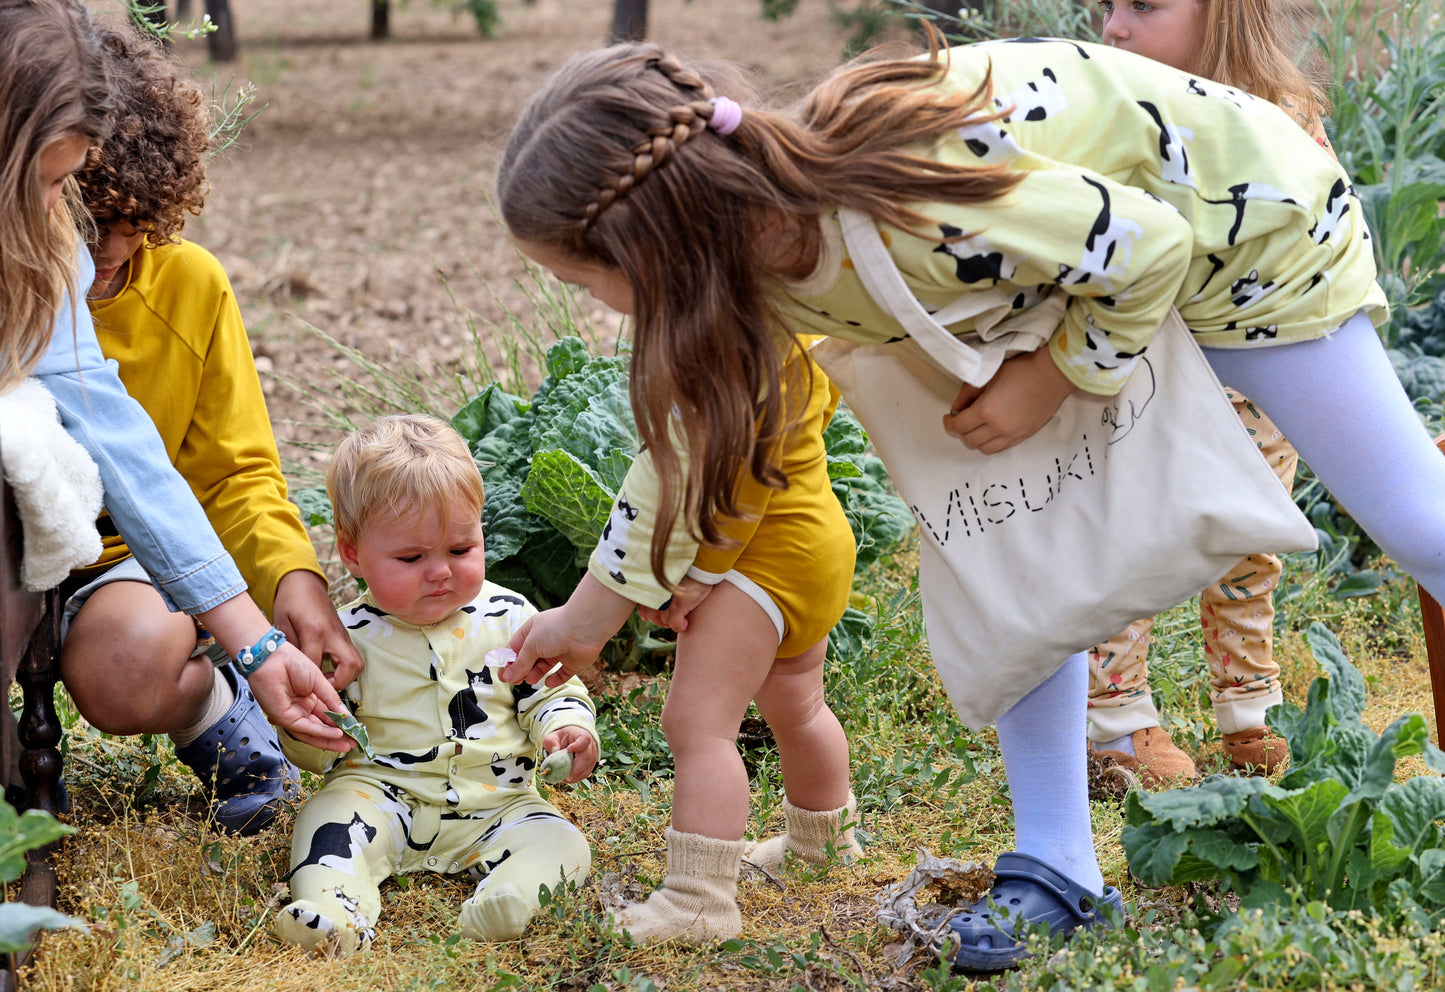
x=612, y=163
x=52, y=85
x=1244, y=46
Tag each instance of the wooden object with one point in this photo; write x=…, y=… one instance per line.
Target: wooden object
x=1432, y=618
x=30, y=654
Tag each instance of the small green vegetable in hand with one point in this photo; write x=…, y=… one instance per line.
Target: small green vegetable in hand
x=556, y=767
x=356, y=729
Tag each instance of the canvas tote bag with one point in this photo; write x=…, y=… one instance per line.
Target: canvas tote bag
x=1118, y=508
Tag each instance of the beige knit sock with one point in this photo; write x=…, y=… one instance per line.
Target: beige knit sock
x=808, y=835
x=698, y=901
x=217, y=703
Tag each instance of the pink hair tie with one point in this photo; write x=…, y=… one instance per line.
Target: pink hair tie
x=726, y=115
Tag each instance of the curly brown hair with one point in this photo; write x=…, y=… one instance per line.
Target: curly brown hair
x=151, y=171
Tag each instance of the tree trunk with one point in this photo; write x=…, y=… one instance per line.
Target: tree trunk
x=380, y=19
x=222, y=41
x=629, y=21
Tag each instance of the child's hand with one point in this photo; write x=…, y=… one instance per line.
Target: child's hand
x=582, y=746
x=304, y=612
x=572, y=635
x=295, y=696
x=547, y=640
x=685, y=598
x=1011, y=407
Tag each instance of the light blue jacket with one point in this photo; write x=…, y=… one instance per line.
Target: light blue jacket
x=152, y=506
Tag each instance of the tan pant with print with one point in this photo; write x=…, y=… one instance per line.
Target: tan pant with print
x=1237, y=616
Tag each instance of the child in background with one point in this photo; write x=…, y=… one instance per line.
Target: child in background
x=446, y=783
x=54, y=104
x=1231, y=42
x=636, y=173
x=752, y=610
x=164, y=310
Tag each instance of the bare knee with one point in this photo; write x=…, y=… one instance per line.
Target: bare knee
x=692, y=731
x=792, y=695
x=126, y=664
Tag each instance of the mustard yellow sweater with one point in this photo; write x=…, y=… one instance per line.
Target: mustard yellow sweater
x=176, y=332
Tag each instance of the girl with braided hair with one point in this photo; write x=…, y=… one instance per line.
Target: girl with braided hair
x=1047, y=169
x=752, y=594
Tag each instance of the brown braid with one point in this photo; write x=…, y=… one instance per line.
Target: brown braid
x=687, y=121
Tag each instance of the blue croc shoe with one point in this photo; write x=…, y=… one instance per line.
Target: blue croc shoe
x=240, y=764
x=1026, y=893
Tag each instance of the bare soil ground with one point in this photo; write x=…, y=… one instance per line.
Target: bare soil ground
x=359, y=195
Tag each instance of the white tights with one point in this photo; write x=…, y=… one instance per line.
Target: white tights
x=1341, y=405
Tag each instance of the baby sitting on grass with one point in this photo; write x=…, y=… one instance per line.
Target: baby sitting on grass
x=442, y=778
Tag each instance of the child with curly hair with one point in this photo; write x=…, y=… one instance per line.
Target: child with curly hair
x=164, y=310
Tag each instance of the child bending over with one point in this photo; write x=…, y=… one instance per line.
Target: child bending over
x=752, y=610
x=447, y=784
x=985, y=167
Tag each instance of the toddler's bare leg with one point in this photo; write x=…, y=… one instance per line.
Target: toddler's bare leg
x=723, y=658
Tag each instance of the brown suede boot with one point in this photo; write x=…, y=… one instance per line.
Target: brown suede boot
x=1257, y=750
x=1157, y=762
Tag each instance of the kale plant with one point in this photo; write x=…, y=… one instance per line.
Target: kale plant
x=1337, y=828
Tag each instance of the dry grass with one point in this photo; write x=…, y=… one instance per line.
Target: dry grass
x=154, y=881
x=146, y=880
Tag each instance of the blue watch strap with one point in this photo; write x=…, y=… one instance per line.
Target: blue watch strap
x=252, y=658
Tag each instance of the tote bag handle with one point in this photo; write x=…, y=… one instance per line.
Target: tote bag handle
x=973, y=364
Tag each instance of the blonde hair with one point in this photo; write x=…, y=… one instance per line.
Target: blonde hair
x=398, y=463
x=612, y=163
x=52, y=86
x=1244, y=46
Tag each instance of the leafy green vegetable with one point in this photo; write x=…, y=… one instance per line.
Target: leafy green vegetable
x=315, y=507
x=1337, y=828
x=879, y=519
x=569, y=495
x=355, y=729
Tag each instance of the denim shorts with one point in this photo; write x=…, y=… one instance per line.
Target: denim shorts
x=128, y=570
